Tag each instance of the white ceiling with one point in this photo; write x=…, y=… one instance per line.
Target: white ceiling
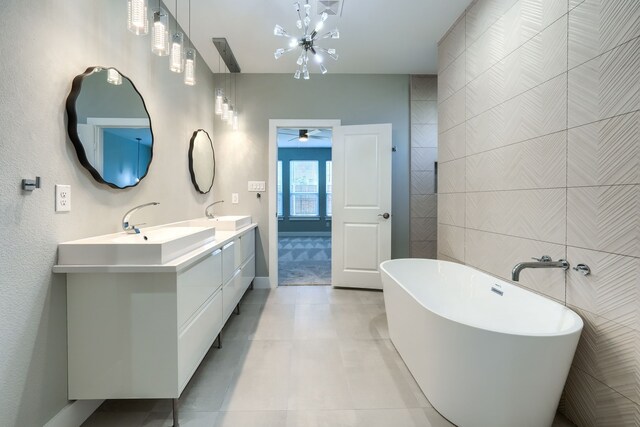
x=376, y=36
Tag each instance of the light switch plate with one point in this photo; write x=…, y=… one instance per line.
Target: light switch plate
x=256, y=186
x=63, y=198
x=234, y=198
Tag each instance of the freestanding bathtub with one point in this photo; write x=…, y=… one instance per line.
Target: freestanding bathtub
x=484, y=352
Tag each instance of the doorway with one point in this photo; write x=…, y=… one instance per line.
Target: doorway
x=274, y=218
x=304, y=196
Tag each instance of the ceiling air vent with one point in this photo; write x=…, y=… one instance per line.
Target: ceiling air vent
x=332, y=7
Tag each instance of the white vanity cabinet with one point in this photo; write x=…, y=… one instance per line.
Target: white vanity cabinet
x=141, y=331
x=238, y=260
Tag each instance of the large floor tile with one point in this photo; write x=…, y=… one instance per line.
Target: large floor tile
x=186, y=419
x=327, y=418
x=314, y=321
x=276, y=322
x=251, y=419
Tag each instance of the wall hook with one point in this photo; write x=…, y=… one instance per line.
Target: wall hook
x=31, y=184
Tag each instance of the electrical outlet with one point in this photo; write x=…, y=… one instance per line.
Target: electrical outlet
x=63, y=198
x=234, y=198
x=256, y=186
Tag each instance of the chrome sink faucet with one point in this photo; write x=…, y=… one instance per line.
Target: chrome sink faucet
x=127, y=226
x=211, y=214
x=543, y=262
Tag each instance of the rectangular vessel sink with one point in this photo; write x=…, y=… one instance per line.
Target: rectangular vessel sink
x=152, y=246
x=230, y=223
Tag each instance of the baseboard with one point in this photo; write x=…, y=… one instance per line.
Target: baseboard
x=261, y=283
x=304, y=234
x=74, y=414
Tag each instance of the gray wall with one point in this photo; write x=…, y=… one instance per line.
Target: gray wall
x=355, y=99
x=539, y=122
x=424, y=154
x=46, y=50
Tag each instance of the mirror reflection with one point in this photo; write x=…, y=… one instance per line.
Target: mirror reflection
x=202, y=161
x=110, y=127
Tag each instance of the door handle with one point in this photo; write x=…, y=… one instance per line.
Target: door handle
x=385, y=215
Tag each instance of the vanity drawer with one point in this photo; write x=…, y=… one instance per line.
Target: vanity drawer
x=196, y=338
x=247, y=274
x=248, y=245
x=197, y=283
x=238, y=253
x=229, y=261
x=230, y=292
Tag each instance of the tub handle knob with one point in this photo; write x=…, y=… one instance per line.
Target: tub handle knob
x=583, y=269
x=543, y=258
x=385, y=215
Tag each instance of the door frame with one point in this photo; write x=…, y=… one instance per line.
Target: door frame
x=274, y=125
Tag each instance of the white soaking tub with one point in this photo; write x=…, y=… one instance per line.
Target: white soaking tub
x=485, y=352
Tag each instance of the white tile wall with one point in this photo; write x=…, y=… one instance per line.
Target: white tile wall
x=545, y=160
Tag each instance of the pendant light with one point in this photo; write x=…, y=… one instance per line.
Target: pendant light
x=176, y=59
x=137, y=21
x=234, y=118
x=225, y=103
x=219, y=95
x=190, y=58
x=160, y=32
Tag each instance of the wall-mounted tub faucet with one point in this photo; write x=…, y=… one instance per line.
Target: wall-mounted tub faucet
x=543, y=262
x=211, y=214
x=126, y=219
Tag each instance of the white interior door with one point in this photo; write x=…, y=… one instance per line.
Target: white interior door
x=361, y=226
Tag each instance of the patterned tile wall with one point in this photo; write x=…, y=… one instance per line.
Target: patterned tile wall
x=539, y=153
x=424, y=154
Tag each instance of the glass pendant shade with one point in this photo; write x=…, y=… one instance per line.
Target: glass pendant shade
x=114, y=77
x=218, y=104
x=176, y=59
x=296, y=75
x=137, y=21
x=160, y=33
x=190, y=67
x=225, y=110
x=234, y=123
x=305, y=72
x=230, y=114
x=323, y=69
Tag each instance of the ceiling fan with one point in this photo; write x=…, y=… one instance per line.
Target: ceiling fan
x=305, y=134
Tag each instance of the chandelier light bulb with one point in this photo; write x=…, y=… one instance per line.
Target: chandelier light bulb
x=176, y=63
x=190, y=67
x=160, y=33
x=114, y=77
x=279, y=31
x=218, y=103
x=137, y=21
x=318, y=58
x=278, y=53
x=294, y=42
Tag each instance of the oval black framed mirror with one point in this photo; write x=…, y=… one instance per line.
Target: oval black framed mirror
x=110, y=127
x=202, y=161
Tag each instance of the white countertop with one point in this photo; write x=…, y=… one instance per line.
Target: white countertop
x=174, y=266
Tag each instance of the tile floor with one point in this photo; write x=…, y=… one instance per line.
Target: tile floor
x=304, y=260
x=295, y=357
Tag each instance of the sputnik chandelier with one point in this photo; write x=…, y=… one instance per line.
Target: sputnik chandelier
x=307, y=43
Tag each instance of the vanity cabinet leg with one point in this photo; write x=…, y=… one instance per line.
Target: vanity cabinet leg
x=238, y=309
x=220, y=340
x=174, y=409
x=251, y=285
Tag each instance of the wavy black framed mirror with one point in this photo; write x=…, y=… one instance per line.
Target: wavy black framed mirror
x=110, y=127
x=202, y=161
